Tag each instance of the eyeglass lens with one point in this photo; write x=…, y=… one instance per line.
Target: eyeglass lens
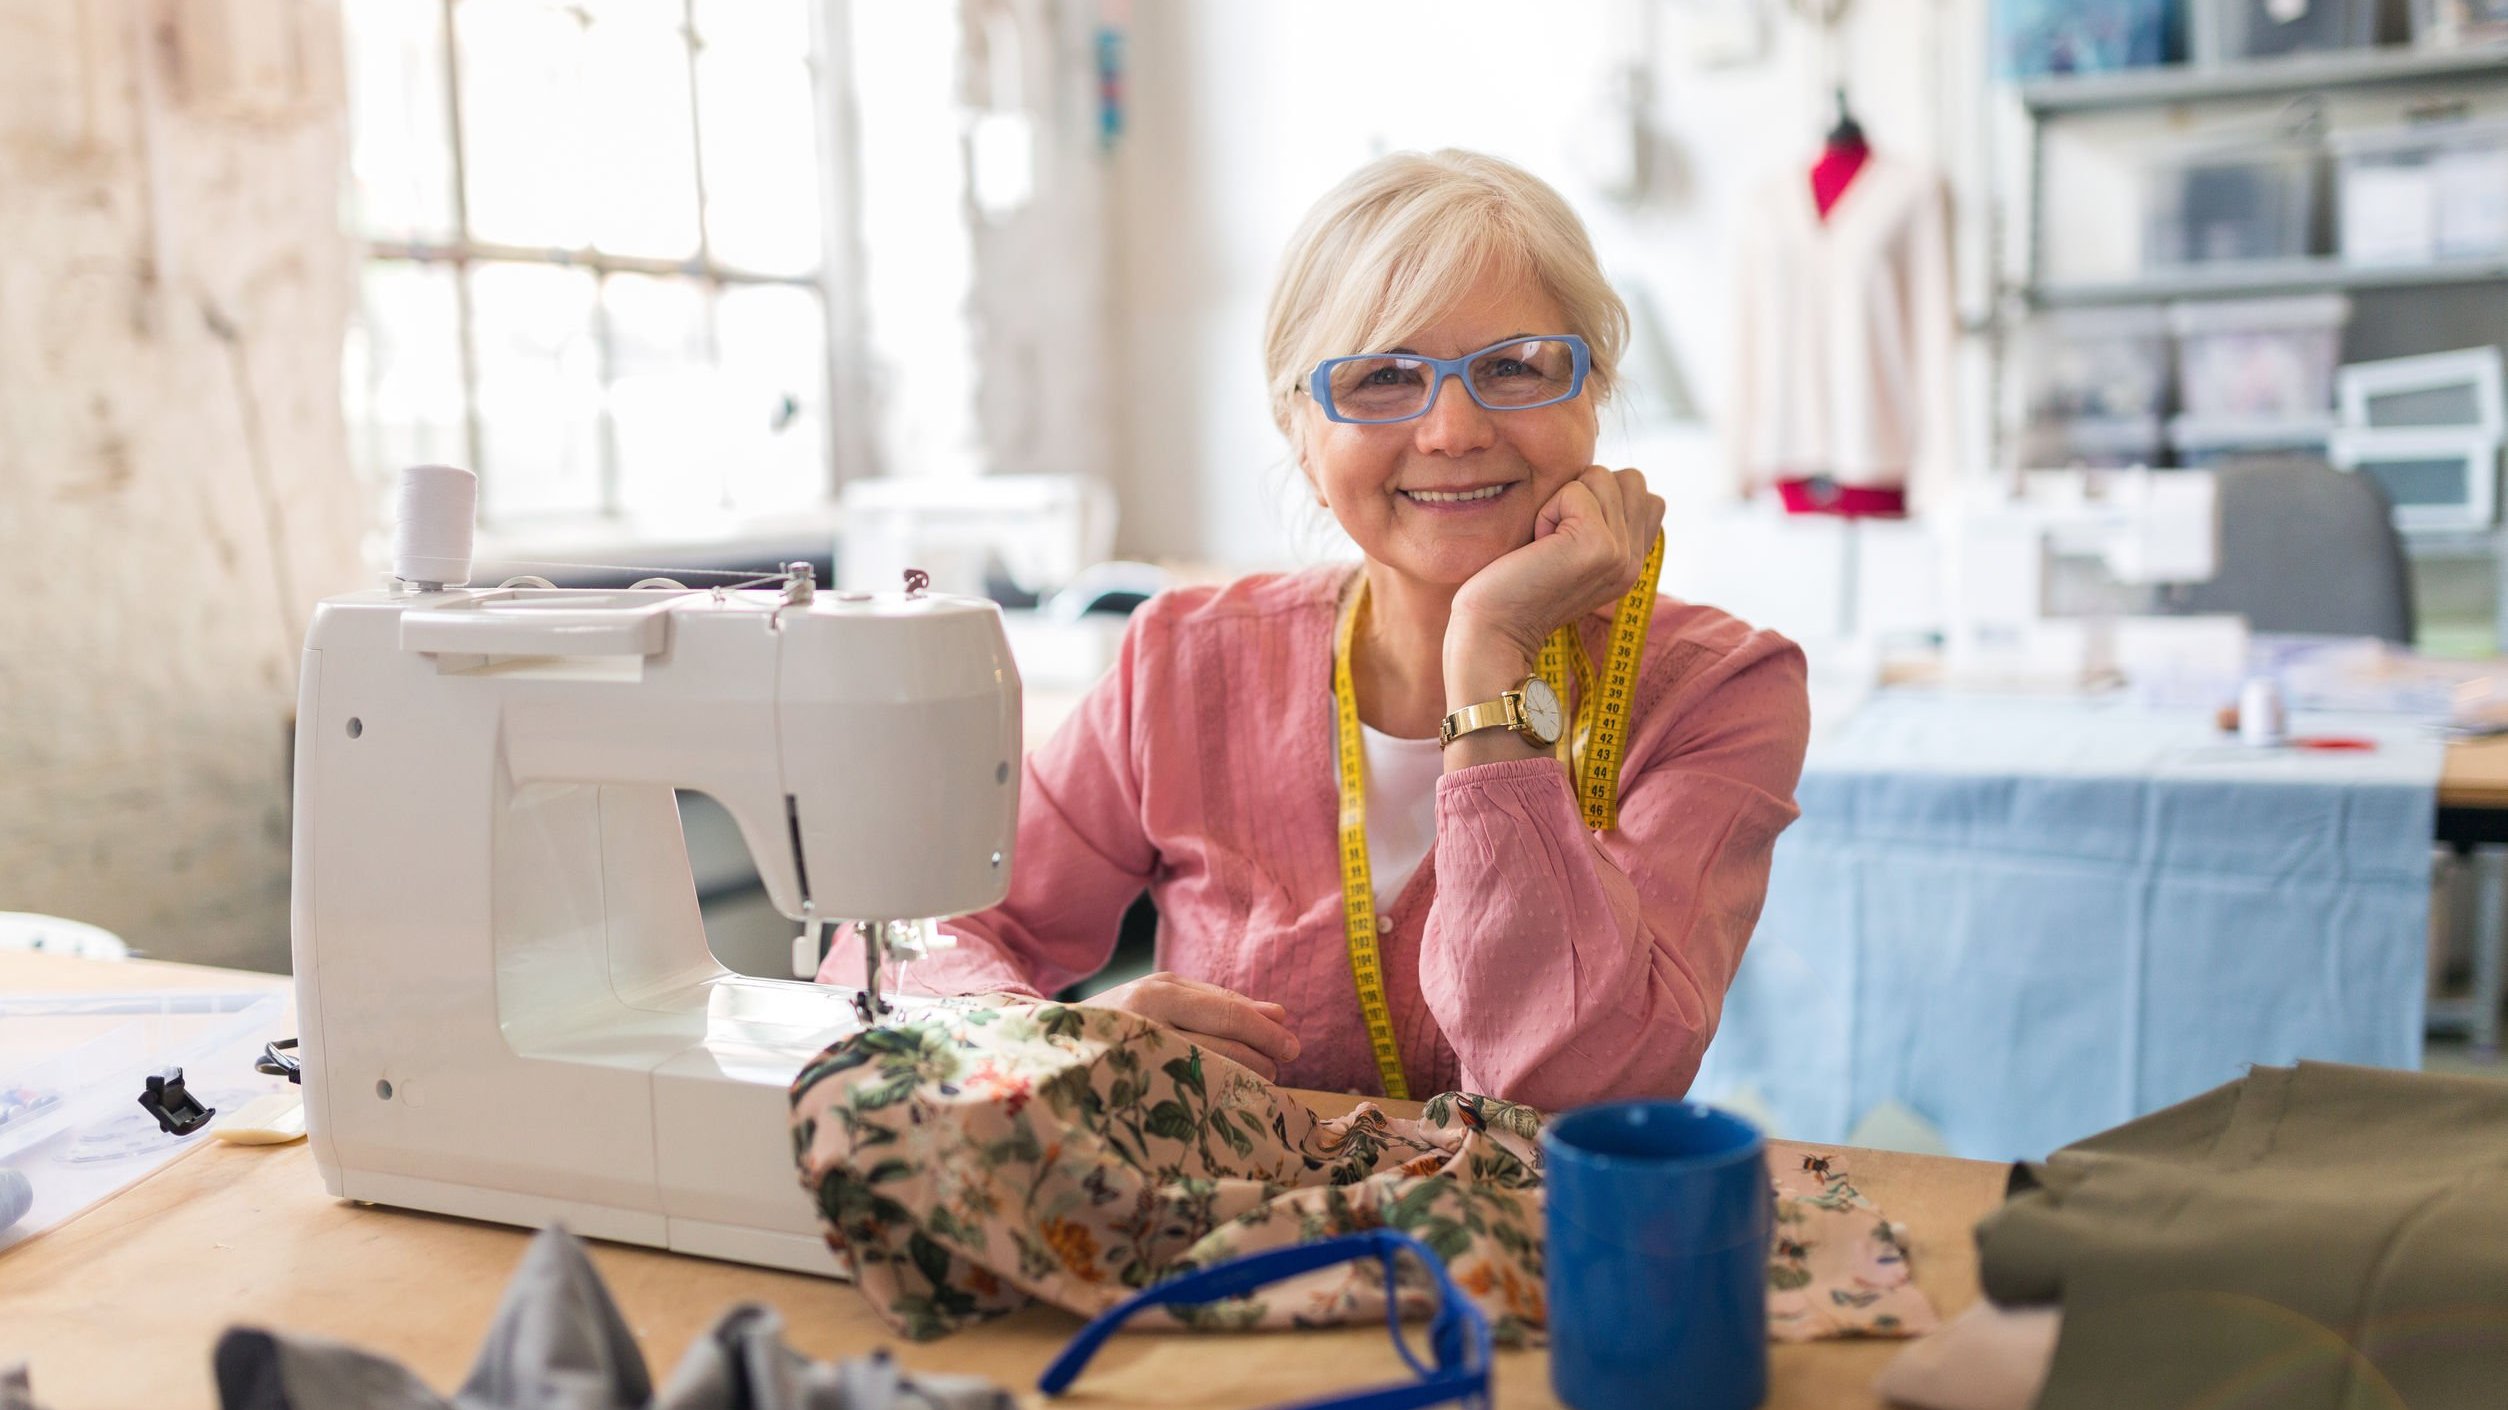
x=1389, y=387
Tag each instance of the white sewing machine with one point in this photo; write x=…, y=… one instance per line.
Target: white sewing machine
x=2050, y=574
x=508, y=1008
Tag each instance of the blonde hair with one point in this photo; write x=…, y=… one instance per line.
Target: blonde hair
x=1398, y=242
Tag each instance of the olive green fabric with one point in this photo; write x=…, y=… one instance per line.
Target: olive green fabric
x=2311, y=1238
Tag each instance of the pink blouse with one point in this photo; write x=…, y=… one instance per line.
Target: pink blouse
x=1527, y=958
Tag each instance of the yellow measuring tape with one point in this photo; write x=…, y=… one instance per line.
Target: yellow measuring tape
x=1358, y=885
x=1601, y=734
x=1602, y=706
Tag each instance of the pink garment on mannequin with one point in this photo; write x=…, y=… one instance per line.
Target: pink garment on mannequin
x=1834, y=172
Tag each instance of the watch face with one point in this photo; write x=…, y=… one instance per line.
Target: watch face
x=1542, y=712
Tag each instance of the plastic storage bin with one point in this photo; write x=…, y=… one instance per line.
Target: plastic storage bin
x=2259, y=360
x=2249, y=201
x=2033, y=38
x=2235, y=31
x=2417, y=195
x=2096, y=363
x=2458, y=24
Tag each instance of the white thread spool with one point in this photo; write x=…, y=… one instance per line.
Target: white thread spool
x=2262, y=722
x=431, y=535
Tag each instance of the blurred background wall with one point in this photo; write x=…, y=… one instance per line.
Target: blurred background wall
x=1655, y=120
x=174, y=283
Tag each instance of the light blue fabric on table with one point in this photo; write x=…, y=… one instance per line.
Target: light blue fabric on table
x=2029, y=920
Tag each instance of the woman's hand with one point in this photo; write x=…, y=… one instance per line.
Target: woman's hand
x=1250, y=1032
x=1590, y=541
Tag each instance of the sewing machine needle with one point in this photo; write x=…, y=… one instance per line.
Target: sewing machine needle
x=869, y=1004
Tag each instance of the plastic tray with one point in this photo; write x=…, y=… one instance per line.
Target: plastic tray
x=72, y=1067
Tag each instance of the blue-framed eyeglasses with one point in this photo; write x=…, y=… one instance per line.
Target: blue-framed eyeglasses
x=1373, y=389
x=1458, y=1335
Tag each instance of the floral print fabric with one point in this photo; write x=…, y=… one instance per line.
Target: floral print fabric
x=1837, y=1268
x=984, y=1155
x=987, y=1152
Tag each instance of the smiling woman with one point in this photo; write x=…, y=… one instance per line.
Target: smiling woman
x=1483, y=812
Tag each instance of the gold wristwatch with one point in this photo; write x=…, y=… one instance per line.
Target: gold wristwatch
x=1532, y=710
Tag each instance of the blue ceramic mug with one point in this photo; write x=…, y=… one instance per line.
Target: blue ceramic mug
x=1659, y=1216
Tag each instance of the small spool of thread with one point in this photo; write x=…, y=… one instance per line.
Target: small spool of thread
x=2262, y=722
x=431, y=532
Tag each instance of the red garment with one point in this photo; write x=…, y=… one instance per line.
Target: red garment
x=1835, y=171
x=1821, y=495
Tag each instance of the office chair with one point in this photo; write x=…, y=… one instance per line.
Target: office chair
x=2307, y=548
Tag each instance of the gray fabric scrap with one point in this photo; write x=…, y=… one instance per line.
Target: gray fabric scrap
x=558, y=1343
x=743, y=1363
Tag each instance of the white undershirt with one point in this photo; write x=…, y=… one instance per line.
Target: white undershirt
x=1402, y=779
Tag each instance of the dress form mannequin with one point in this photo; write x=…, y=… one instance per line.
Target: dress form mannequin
x=1842, y=155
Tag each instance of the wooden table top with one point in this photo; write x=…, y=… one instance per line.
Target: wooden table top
x=120, y=1306
x=2475, y=774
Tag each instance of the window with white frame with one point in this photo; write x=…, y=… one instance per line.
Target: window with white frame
x=596, y=264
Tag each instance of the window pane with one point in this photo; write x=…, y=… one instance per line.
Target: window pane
x=760, y=126
x=642, y=168
x=523, y=137
x=915, y=243
x=774, y=359
x=667, y=14
x=775, y=26
x=539, y=391
x=665, y=399
x=400, y=156
x=401, y=372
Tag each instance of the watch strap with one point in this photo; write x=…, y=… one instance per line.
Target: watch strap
x=1502, y=713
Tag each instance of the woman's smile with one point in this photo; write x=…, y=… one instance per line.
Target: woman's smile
x=1461, y=499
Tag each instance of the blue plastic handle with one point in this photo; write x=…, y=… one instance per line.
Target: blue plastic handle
x=1240, y=1276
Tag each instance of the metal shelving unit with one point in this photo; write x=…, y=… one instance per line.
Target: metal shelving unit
x=2184, y=83
x=2293, y=276
x=2054, y=99
x=2049, y=99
